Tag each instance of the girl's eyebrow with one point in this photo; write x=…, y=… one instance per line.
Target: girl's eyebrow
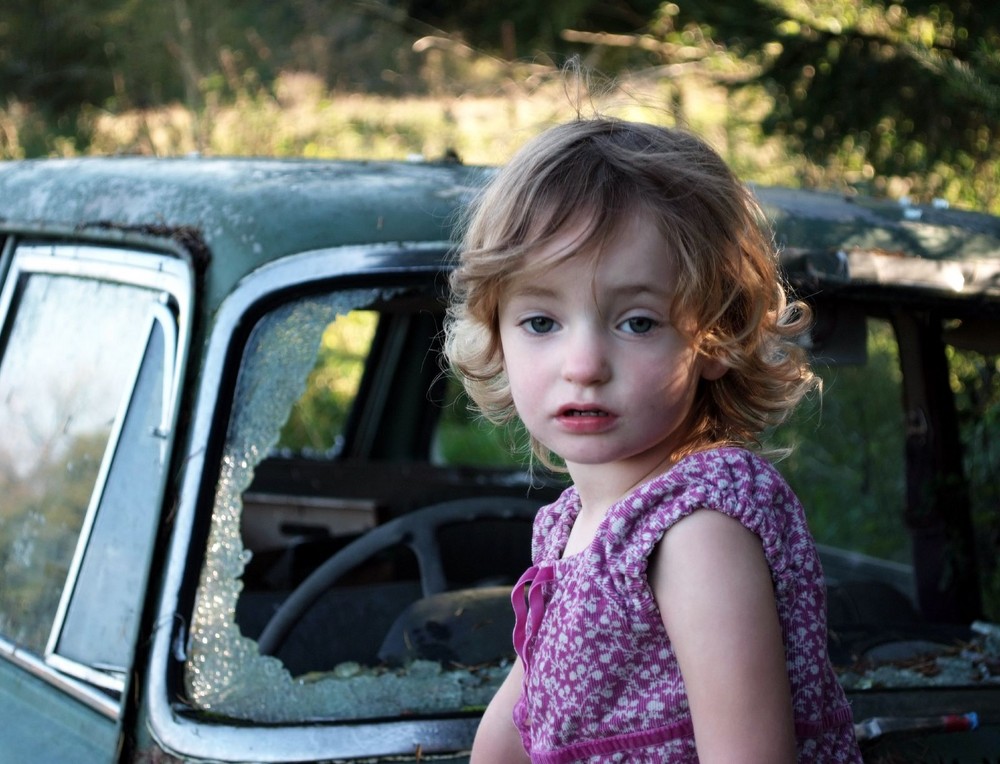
x=632, y=291
x=530, y=290
x=637, y=290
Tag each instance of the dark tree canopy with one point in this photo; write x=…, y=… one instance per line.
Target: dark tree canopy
x=913, y=87
x=59, y=55
x=535, y=27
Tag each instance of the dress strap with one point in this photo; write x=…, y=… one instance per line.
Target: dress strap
x=528, y=602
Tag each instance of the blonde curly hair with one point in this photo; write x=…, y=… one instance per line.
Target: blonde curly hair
x=607, y=172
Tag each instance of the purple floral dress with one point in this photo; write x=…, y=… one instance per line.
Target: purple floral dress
x=602, y=683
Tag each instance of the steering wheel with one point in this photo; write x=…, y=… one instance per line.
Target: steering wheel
x=417, y=530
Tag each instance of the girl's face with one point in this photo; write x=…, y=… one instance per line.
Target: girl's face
x=597, y=371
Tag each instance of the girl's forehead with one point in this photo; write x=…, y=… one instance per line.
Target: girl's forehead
x=574, y=246
x=589, y=239
x=629, y=257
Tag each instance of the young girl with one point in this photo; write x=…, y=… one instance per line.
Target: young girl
x=615, y=292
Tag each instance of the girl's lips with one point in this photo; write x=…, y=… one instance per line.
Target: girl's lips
x=585, y=419
x=581, y=408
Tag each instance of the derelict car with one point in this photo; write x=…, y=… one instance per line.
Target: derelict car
x=245, y=517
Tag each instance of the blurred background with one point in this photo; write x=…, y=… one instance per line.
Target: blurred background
x=889, y=98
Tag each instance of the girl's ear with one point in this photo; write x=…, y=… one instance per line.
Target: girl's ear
x=713, y=368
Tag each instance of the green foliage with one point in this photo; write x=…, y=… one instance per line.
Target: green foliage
x=61, y=76
x=975, y=380
x=531, y=29
x=43, y=510
x=70, y=62
x=318, y=418
x=901, y=96
x=847, y=458
x=465, y=437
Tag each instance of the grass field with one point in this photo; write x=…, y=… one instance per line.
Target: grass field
x=300, y=117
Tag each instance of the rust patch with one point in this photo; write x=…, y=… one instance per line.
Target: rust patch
x=189, y=237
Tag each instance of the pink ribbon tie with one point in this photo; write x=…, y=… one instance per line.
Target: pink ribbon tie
x=532, y=605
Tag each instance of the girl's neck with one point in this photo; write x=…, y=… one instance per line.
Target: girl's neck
x=599, y=486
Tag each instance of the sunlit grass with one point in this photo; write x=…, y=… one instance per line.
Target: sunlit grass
x=299, y=117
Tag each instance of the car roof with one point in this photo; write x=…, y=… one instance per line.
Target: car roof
x=241, y=212
x=865, y=243
x=245, y=212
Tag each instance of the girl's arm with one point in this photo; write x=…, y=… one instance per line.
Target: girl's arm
x=497, y=739
x=713, y=587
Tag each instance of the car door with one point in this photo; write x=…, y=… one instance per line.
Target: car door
x=92, y=342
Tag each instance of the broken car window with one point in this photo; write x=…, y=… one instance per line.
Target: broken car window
x=225, y=672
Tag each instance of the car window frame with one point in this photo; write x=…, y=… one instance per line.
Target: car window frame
x=183, y=730
x=131, y=260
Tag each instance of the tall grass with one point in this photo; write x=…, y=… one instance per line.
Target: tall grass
x=298, y=116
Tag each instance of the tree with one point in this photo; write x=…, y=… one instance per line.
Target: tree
x=56, y=55
x=908, y=90
x=59, y=59
x=529, y=29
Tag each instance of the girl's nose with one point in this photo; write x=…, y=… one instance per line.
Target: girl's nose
x=586, y=361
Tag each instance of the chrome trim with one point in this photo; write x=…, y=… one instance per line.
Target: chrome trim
x=6, y=254
x=147, y=269
x=162, y=314
x=108, y=678
x=86, y=694
x=181, y=733
x=315, y=742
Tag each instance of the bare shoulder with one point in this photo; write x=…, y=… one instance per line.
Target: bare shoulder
x=708, y=543
x=713, y=586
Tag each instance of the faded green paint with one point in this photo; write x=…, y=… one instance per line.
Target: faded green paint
x=42, y=726
x=247, y=212
x=822, y=221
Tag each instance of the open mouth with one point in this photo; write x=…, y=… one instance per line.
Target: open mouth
x=584, y=412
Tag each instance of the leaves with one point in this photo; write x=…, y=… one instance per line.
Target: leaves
x=909, y=91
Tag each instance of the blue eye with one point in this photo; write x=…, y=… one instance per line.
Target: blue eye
x=539, y=324
x=638, y=325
